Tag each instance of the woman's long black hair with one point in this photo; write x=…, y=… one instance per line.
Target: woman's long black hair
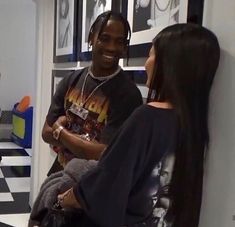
x=187, y=56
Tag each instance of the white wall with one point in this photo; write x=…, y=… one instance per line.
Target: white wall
x=42, y=158
x=17, y=51
x=218, y=205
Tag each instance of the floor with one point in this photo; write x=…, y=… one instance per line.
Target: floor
x=14, y=185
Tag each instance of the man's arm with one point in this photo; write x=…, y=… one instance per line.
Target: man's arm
x=78, y=146
x=47, y=135
x=57, y=107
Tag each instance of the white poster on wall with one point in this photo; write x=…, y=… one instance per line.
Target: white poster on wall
x=149, y=17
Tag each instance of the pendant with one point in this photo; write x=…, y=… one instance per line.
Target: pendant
x=79, y=111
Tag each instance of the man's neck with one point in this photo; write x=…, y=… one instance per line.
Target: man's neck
x=103, y=73
x=100, y=73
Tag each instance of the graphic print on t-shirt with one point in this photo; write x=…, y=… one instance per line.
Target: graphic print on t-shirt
x=159, y=192
x=90, y=126
x=163, y=197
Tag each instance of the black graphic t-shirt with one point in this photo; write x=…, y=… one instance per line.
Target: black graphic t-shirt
x=130, y=185
x=88, y=106
x=109, y=103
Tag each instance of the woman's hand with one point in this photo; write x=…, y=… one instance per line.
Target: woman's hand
x=67, y=199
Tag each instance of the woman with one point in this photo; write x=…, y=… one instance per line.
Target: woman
x=127, y=187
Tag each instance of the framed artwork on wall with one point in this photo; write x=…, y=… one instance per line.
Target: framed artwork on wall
x=149, y=17
x=139, y=77
x=90, y=10
x=57, y=76
x=66, y=30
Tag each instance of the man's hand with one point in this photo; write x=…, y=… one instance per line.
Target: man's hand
x=61, y=121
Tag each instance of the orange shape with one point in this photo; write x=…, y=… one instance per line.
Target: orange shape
x=23, y=104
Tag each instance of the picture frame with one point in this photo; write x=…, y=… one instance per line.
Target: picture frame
x=150, y=21
x=57, y=76
x=88, y=17
x=66, y=30
x=139, y=77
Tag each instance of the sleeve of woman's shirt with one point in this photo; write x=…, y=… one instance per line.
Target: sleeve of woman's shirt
x=103, y=192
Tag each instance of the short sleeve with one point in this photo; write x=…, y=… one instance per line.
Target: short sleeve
x=57, y=103
x=104, y=191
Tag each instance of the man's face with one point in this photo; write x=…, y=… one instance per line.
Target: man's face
x=108, y=48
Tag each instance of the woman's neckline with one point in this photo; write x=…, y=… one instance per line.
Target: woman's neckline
x=161, y=105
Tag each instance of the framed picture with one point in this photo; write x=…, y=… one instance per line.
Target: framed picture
x=149, y=17
x=57, y=76
x=90, y=10
x=139, y=77
x=66, y=30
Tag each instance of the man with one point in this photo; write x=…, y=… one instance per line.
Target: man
x=99, y=97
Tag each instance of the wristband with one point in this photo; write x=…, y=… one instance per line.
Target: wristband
x=56, y=132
